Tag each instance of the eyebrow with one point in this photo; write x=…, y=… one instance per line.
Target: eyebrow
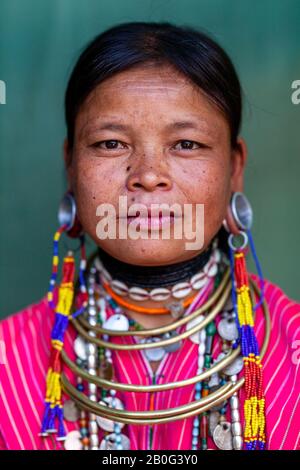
x=111, y=126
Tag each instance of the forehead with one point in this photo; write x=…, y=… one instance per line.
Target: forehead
x=145, y=92
x=146, y=81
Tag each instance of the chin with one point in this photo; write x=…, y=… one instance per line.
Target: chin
x=147, y=252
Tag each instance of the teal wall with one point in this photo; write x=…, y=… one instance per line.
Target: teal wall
x=39, y=42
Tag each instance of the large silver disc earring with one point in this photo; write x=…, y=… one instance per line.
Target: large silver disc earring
x=241, y=210
x=67, y=215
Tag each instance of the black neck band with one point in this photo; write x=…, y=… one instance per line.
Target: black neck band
x=153, y=276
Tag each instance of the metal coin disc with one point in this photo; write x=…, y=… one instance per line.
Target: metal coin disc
x=195, y=338
x=71, y=411
x=109, y=443
x=117, y=322
x=214, y=380
x=171, y=347
x=213, y=421
x=222, y=436
x=155, y=354
x=227, y=329
x=176, y=309
x=80, y=348
x=236, y=366
x=105, y=423
x=73, y=441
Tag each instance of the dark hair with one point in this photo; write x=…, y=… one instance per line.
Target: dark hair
x=190, y=51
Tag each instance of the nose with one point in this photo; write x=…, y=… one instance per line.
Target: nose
x=149, y=177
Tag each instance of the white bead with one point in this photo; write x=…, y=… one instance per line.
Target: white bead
x=73, y=441
x=212, y=271
x=235, y=416
x=160, y=294
x=93, y=427
x=203, y=336
x=92, y=361
x=137, y=293
x=198, y=280
x=92, y=322
x=91, y=349
x=106, y=275
x=98, y=264
x=237, y=442
x=94, y=440
x=217, y=256
x=117, y=322
x=119, y=287
x=80, y=348
x=236, y=429
x=181, y=290
x=195, y=338
x=83, y=264
x=201, y=349
x=200, y=362
x=92, y=388
x=234, y=402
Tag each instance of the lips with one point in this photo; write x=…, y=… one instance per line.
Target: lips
x=152, y=222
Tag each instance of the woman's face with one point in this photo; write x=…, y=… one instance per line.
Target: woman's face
x=151, y=135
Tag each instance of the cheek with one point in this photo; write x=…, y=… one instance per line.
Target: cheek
x=208, y=185
x=93, y=185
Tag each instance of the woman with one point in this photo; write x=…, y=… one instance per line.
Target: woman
x=153, y=114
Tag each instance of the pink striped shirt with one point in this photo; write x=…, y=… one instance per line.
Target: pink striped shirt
x=24, y=353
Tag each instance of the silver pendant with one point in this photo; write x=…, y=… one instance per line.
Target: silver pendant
x=80, y=348
x=171, y=347
x=155, y=354
x=227, y=329
x=109, y=442
x=214, y=380
x=71, y=412
x=213, y=421
x=73, y=441
x=105, y=423
x=222, y=436
x=176, y=309
x=196, y=337
x=236, y=367
x=117, y=322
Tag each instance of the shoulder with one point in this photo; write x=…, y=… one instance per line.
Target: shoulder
x=33, y=318
x=284, y=314
x=25, y=346
x=281, y=365
x=25, y=338
x=276, y=297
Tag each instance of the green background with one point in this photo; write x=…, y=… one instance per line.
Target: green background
x=39, y=42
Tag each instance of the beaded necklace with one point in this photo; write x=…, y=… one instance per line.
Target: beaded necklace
x=213, y=423
x=216, y=381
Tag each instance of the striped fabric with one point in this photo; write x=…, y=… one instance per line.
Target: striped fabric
x=24, y=353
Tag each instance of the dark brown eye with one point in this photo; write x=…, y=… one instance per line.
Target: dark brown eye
x=187, y=144
x=110, y=144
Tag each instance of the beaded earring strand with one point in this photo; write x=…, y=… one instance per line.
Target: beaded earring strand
x=254, y=405
x=53, y=402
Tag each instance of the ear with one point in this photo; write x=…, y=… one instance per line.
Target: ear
x=238, y=164
x=68, y=163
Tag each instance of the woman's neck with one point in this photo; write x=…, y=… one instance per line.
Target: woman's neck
x=152, y=277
